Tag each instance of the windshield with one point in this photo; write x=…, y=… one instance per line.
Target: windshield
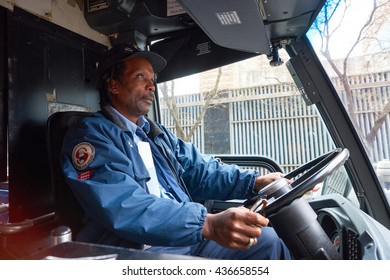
x=250, y=108
x=246, y=108
x=253, y=108
x=352, y=40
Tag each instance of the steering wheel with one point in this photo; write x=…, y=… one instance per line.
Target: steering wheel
x=291, y=216
x=280, y=193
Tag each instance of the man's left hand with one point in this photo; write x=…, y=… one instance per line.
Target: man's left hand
x=267, y=179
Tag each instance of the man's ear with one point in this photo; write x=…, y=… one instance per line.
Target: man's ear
x=111, y=85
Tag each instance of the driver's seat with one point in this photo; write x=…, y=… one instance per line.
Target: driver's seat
x=68, y=210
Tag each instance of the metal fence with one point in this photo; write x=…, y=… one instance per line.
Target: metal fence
x=371, y=92
x=274, y=121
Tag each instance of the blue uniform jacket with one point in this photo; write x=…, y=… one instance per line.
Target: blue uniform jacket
x=103, y=168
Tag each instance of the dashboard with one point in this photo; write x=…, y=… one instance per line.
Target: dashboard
x=341, y=233
x=354, y=234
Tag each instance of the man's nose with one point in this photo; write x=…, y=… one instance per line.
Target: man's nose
x=150, y=86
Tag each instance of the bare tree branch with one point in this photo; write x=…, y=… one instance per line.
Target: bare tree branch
x=208, y=97
x=381, y=118
x=323, y=28
x=170, y=101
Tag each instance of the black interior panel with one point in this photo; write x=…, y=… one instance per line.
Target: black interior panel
x=3, y=103
x=46, y=64
x=192, y=54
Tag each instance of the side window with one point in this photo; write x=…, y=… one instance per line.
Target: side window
x=359, y=69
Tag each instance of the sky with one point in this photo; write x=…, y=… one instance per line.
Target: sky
x=187, y=85
x=355, y=17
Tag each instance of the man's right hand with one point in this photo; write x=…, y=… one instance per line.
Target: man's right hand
x=234, y=227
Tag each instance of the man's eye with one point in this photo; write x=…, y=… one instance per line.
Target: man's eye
x=141, y=77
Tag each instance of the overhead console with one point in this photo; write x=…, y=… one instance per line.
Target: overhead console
x=231, y=23
x=251, y=26
x=197, y=35
x=150, y=19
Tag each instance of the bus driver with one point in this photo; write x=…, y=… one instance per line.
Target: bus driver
x=139, y=183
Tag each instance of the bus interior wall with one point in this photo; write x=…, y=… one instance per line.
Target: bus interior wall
x=65, y=79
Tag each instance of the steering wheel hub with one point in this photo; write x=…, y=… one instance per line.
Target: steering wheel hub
x=275, y=190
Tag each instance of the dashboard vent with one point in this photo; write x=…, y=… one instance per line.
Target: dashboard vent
x=353, y=247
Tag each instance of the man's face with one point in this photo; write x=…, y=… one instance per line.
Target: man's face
x=134, y=96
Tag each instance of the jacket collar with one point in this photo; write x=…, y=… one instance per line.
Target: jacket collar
x=152, y=129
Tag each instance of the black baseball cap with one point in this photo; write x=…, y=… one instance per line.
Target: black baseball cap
x=124, y=51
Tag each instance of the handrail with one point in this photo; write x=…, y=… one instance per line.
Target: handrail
x=4, y=207
x=11, y=228
x=250, y=160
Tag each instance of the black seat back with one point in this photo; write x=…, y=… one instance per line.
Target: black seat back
x=68, y=210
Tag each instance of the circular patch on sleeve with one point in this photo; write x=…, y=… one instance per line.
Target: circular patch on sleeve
x=82, y=155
